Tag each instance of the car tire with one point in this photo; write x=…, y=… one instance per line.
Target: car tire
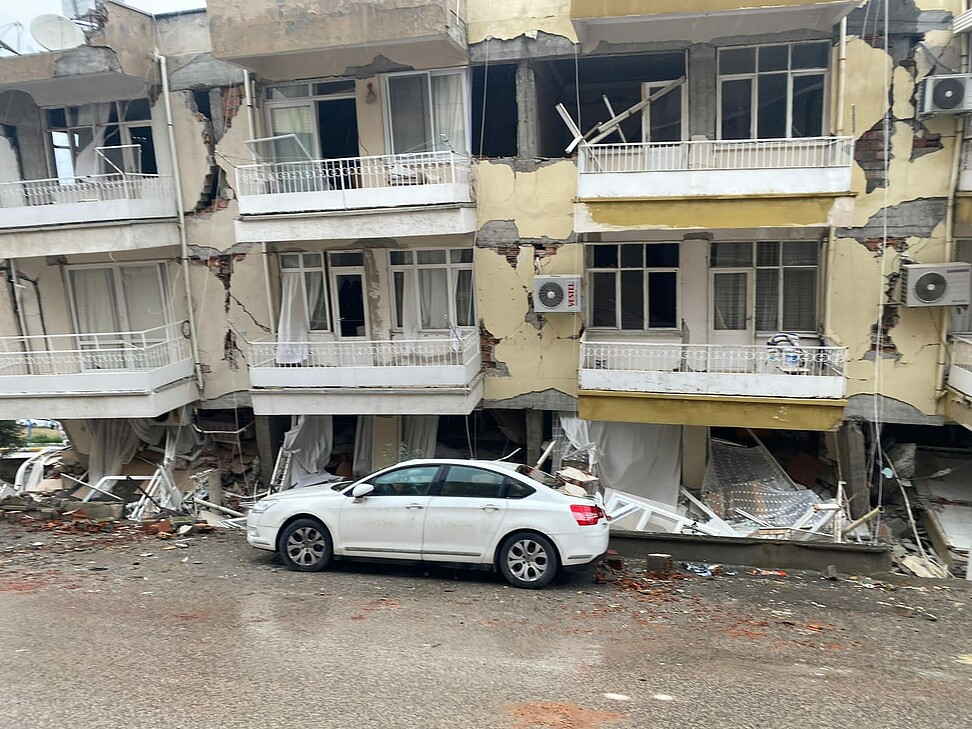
x=305, y=546
x=528, y=561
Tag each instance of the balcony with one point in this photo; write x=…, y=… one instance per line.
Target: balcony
x=318, y=38
x=345, y=193
x=98, y=198
x=420, y=376
x=807, y=166
x=713, y=384
x=960, y=369
x=700, y=21
x=99, y=375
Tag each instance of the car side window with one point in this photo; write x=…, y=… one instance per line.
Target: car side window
x=473, y=483
x=411, y=481
x=517, y=490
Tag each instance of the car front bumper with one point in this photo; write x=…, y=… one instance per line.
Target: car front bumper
x=261, y=536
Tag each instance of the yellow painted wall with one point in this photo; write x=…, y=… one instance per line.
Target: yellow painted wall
x=856, y=281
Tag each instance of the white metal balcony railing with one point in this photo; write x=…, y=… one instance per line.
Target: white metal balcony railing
x=445, y=361
x=736, y=154
x=353, y=173
x=56, y=358
x=714, y=369
x=95, y=188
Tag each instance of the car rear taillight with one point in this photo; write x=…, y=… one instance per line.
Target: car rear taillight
x=587, y=515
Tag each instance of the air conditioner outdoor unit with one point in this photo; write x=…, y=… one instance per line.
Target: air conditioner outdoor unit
x=950, y=94
x=935, y=284
x=556, y=293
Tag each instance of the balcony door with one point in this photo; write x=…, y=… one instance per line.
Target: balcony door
x=731, y=321
x=349, y=300
x=119, y=313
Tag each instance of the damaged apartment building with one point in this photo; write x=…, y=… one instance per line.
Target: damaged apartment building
x=370, y=231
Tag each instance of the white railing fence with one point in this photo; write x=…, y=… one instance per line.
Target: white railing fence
x=961, y=352
x=714, y=358
x=361, y=353
x=95, y=188
x=68, y=354
x=353, y=173
x=737, y=154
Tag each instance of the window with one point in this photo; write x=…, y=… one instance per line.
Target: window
x=474, y=483
x=118, y=311
x=785, y=289
x=962, y=315
x=311, y=121
x=634, y=286
x=302, y=285
x=773, y=91
x=106, y=138
x=427, y=112
x=433, y=289
x=412, y=481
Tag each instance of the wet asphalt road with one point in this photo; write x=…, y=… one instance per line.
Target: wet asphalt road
x=118, y=631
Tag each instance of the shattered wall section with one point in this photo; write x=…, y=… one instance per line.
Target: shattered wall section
x=525, y=228
x=906, y=203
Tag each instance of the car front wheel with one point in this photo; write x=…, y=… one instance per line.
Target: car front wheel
x=528, y=561
x=305, y=546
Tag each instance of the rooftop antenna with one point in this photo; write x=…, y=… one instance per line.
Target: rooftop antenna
x=55, y=32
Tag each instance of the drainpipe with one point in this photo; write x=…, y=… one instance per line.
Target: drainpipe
x=183, y=242
x=251, y=124
x=943, y=350
x=841, y=77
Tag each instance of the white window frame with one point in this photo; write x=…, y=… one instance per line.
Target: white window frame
x=645, y=270
x=124, y=134
x=753, y=76
x=780, y=268
x=650, y=87
x=333, y=271
x=310, y=99
x=121, y=307
x=411, y=277
x=463, y=73
x=325, y=283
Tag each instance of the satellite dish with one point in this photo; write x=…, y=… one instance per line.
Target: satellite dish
x=55, y=32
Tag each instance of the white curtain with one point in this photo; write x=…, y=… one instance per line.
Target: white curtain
x=94, y=300
x=449, y=113
x=434, y=298
x=88, y=161
x=408, y=98
x=293, y=328
x=310, y=440
x=364, y=438
x=638, y=458
x=113, y=444
x=419, y=435
x=410, y=322
x=298, y=121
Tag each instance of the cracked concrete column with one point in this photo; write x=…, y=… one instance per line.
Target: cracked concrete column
x=852, y=457
x=526, y=110
x=702, y=91
x=534, y=435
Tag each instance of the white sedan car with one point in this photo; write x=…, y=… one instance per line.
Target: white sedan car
x=488, y=513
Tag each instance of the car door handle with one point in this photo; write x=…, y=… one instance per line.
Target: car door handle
x=414, y=506
x=489, y=507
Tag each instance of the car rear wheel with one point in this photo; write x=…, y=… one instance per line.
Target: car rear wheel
x=305, y=546
x=528, y=561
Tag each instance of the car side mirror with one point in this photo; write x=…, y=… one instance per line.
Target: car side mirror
x=362, y=490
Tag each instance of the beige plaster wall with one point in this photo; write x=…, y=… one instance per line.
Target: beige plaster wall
x=505, y=19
